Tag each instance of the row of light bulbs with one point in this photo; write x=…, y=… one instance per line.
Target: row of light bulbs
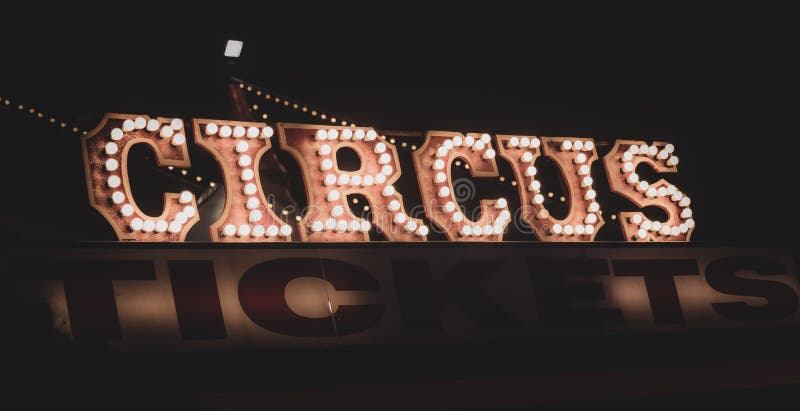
x=6, y=103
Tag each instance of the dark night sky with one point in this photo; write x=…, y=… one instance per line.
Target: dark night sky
x=722, y=92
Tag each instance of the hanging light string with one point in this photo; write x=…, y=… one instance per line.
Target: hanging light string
x=7, y=104
x=291, y=103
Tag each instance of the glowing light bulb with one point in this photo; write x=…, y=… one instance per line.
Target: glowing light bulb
x=317, y=226
x=535, y=186
x=627, y=167
x=686, y=213
x=566, y=145
x=365, y=226
x=180, y=217
x=247, y=174
x=556, y=229
x=253, y=132
x=478, y=146
x=530, y=171
x=590, y=194
x=652, y=151
x=662, y=155
x=178, y=140
x=126, y=210
x=258, y=231
x=632, y=178
x=422, y=231
x=112, y=164
x=636, y=219
x=501, y=203
x=254, y=216
x=444, y=191
x=243, y=230
x=477, y=230
x=114, y=181
x=239, y=132
x=651, y=192
x=387, y=170
x=267, y=132
x=399, y=218
x=225, y=131
x=685, y=201
x=457, y=217
x=665, y=230
x=588, y=146
x=347, y=134
x=252, y=203
x=579, y=229
x=580, y=158
x=148, y=226
x=643, y=149
x=683, y=228
x=326, y=164
x=489, y=154
x=394, y=205
x=647, y=225
x=449, y=207
x=513, y=142
x=354, y=226
x=669, y=148
x=176, y=123
x=441, y=151
x=465, y=231
x=656, y=226
x=332, y=134
x=633, y=149
x=379, y=148
x=388, y=190
x=127, y=125
x=111, y=148
x=677, y=196
x=586, y=182
x=136, y=224
x=535, y=142
x=662, y=191
x=371, y=135
x=166, y=132
x=118, y=197
x=583, y=170
x=593, y=207
x=440, y=177
x=642, y=186
x=384, y=158
x=139, y=123
x=380, y=178
x=329, y=179
x=344, y=179
x=410, y=226
x=249, y=189
x=671, y=189
x=538, y=199
x=324, y=150
x=286, y=230
x=333, y=195
x=627, y=156
x=569, y=229
x=367, y=180
x=117, y=134
x=161, y=226
x=524, y=142
x=590, y=219
x=337, y=211
x=438, y=164
x=527, y=157
x=641, y=233
x=211, y=129
x=272, y=230
x=359, y=134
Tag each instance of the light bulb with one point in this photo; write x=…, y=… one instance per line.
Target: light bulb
x=365, y=226
x=662, y=191
x=634, y=149
x=566, y=145
x=447, y=144
x=449, y=207
x=593, y=207
x=244, y=160
x=211, y=129
x=457, y=217
x=579, y=230
x=225, y=131
x=329, y=179
x=380, y=178
x=178, y=140
x=535, y=143
x=357, y=180
x=384, y=158
x=286, y=230
x=148, y=226
x=337, y=211
x=330, y=224
x=662, y=155
x=136, y=224
x=636, y=219
x=166, y=132
x=326, y=164
x=127, y=125
x=321, y=135
x=243, y=230
x=267, y=132
x=117, y=134
x=478, y=146
x=441, y=151
x=524, y=142
x=538, y=199
x=272, y=230
x=247, y=174
x=253, y=132
x=489, y=154
x=527, y=157
x=627, y=167
x=627, y=156
x=580, y=158
x=438, y=164
x=578, y=146
x=249, y=189
x=317, y=226
x=641, y=234
x=332, y=134
x=669, y=148
x=359, y=134
x=112, y=164
x=685, y=201
x=139, y=123
x=690, y=223
x=677, y=196
x=590, y=219
x=252, y=203
x=530, y=171
x=535, y=186
x=588, y=146
x=161, y=226
x=344, y=179
x=647, y=225
x=388, y=190
x=333, y=195
x=387, y=170
x=394, y=205
x=239, y=132
x=180, y=217
x=380, y=147
x=513, y=142
x=673, y=161
x=590, y=194
x=651, y=192
x=458, y=141
x=399, y=218
x=258, y=231
x=504, y=215
x=675, y=230
x=633, y=178
x=683, y=228
x=643, y=149
x=444, y=191
x=556, y=229
x=652, y=151
x=422, y=231
x=477, y=230
x=642, y=186
x=440, y=177
x=111, y=148
x=665, y=230
x=586, y=182
x=568, y=229
x=118, y=197
x=466, y=231
x=410, y=226
x=354, y=226
x=671, y=189
x=114, y=181
x=686, y=213
x=501, y=203
x=469, y=141
x=583, y=170
x=371, y=135
x=488, y=230
x=656, y=225
x=589, y=229
x=255, y=216
x=347, y=134
x=126, y=210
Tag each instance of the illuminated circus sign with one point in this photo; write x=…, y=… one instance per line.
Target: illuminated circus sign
x=239, y=146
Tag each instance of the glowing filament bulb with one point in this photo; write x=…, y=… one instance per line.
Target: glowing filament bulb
x=250, y=189
x=457, y=217
x=238, y=132
x=337, y=211
x=167, y=132
x=384, y=159
x=527, y=157
x=440, y=177
x=324, y=150
x=524, y=142
x=112, y=164
x=593, y=207
x=535, y=186
x=513, y=142
x=583, y=170
x=449, y=207
x=566, y=145
x=161, y=226
x=394, y=205
x=267, y=132
x=387, y=170
x=118, y=197
x=538, y=199
x=286, y=230
x=444, y=191
x=111, y=148
x=244, y=160
x=333, y=195
x=255, y=216
x=489, y=154
x=326, y=164
x=116, y=134
x=556, y=229
x=252, y=203
x=590, y=219
x=466, y=231
x=580, y=158
x=139, y=123
x=388, y=190
x=211, y=129
x=127, y=125
x=569, y=229
x=114, y=181
x=535, y=143
x=641, y=234
x=636, y=219
x=247, y=174
x=332, y=134
x=272, y=230
x=633, y=178
x=501, y=203
x=399, y=218
x=225, y=131
x=371, y=135
x=438, y=164
x=126, y=210
x=176, y=123
x=344, y=179
x=253, y=132
x=136, y=224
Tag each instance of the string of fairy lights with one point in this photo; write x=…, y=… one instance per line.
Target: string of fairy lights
x=260, y=94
